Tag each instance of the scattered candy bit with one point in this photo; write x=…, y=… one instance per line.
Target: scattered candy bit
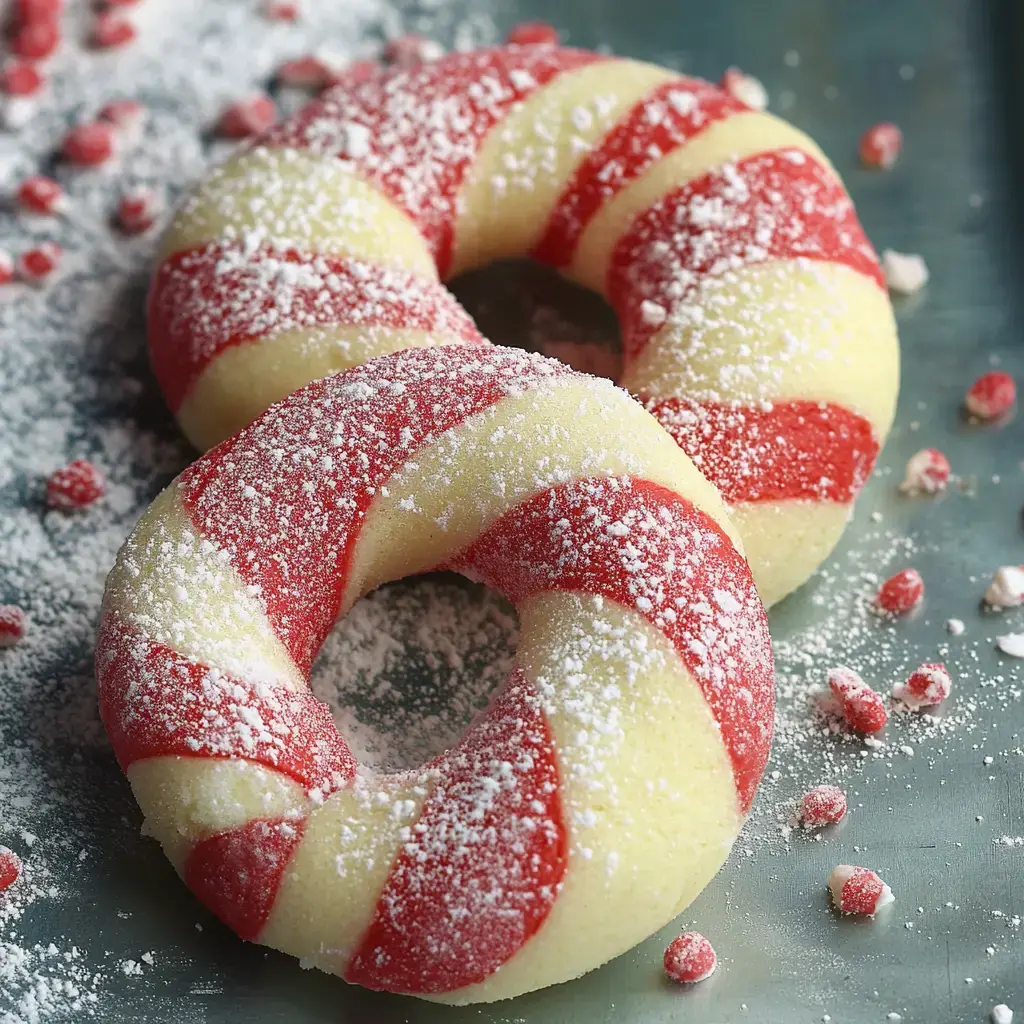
x=862, y=708
x=1011, y=644
x=36, y=40
x=858, y=890
x=89, y=145
x=905, y=273
x=111, y=30
x=955, y=627
x=356, y=72
x=991, y=395
x=308, y=72
x=6, y=268
x=745, y=88
x=244, y=118
x=37, y=264
x=900, y=593
x=690, y=958
x=76, y=485
x=138, y=210
x=1007, y=587
x=1001, y=1014
x=30, y=11
x=409, y=50
x=10, y=868
x=927, y=472
x=880, y=145
x=13, y=624
x=21, y=78
x=39, y=194
x=282, y=10
x=126, y=116
x=532, y=33
x=930, y=684
x=823, y=805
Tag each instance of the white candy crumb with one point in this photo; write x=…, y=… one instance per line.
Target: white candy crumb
x=1007, y=588
x=1011, y=644
x=1001, y=1014
x=905, y=273
x=955, y=627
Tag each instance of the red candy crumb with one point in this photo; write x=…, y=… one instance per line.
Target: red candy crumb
x=89, y=145
x=532, y=33
x=111, y=30
x=281, y=10
x=37, y=264
x=39, y=194
x=823, y=805
x=306, y=73
x=862, y=708
x=10, y=868
x=126, y=116
x=900, y=593
x=21, y=78
x=6, y=268
x=410, y=50
x=28, y=12
x=690, y=958
x=745, y=88
x=76, y=485
x=244, y=118
x=930, y=684
x=13, y=625
x=36, y=40
x=137, y=210
x=355, y=73
x=858, y=890
x=991, y=395
x=880, y=145
x=927, y=472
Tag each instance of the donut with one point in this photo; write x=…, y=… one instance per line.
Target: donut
x=606, y=781
x=754, y=317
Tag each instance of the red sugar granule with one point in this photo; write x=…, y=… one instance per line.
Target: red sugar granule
x=6, y=268
x=28, y=12
x=858, y=890
x=40, y=194
x=927, y=685
x=36, y=40
x=75, y=485
x=10, y=868
x=927, y=472
x=880, y=145
x=21, y=78
x=307, y=72
x=823, y=805
x=111, y=30
x=690, y=958
x=900, y=593
x=532, y=33
x=244, y=118
x=862, y=708
x=13, y=624
x=35, y=265
x=89, y=145
x=282, y=10
x=991, y=395
x=137, y=211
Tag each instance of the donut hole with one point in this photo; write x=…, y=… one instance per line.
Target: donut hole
x=407, y=669
x=522, y=304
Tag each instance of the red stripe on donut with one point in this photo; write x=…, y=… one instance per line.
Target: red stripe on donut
x=482, y=866
x=415, y=132
x=643, y=546
x=155, y=702
x=667, y=118
x=782, y=205
x=211, y=298
x=236, y=874
x=286, y=497
x=790, y=450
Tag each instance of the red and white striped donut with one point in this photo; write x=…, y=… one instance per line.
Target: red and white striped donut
x=607, y=780
x=754, y=317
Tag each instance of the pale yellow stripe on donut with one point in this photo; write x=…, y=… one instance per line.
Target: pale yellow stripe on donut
x=289, y=197
x=781, y=330
x=178, y=589
x=450, y=492
x=646, y=785
x=787, y=540
x=526, y=160
x=329, y=892
x=246, y=379
x=730, y=139
x=185, y=799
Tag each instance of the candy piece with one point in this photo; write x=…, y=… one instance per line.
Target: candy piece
x=927, y=472
x=111, y=30
x=745, y=88
x=905, y=273
x=13, y=624
x=28, y=12
x=690, y=958
x=862, y=708
x=21, y=78
x=1007, y=587
x=900, y=593
x=880, y=145
x=823, y=805
x=282, y=10
x=35, y=265
x=1001, y=1014
x=138, y=209
x=250, y=116
x=930, y=684
x=1011, y=644
x=39, y=194
x=76, y=485
x=532, y=33
x=307, y=72
x=858, y=890
x=6, y=267
x=991, y=395
x=955, y=627
x=89, y=145
x=36, y=40
x=125, y=116
x=409, y=50
x=10, y=868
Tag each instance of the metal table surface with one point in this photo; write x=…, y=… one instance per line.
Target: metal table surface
x=833, y=67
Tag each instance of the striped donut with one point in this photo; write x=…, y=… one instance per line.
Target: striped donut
x=754, y=317
x=604, y=785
